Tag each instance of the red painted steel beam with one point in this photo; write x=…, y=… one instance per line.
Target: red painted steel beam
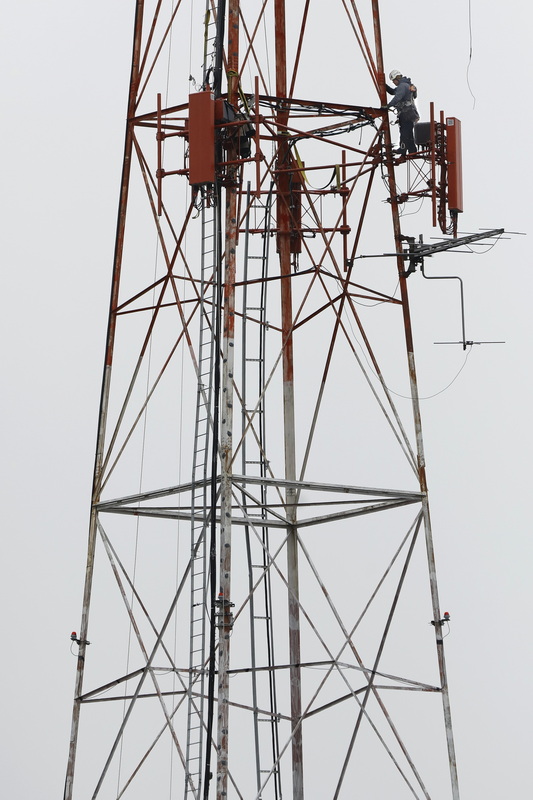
x=226, y=416
x=284, y=240
x=104, y=397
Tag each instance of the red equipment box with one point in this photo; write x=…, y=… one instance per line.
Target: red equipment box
x=201, y=138
x=454, y=158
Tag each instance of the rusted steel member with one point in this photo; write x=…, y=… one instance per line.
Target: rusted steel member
x=415, y=406
x=284, y=248
x=104, y=397
x=225, y=617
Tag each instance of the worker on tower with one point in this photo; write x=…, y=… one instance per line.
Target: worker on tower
x=404, y=103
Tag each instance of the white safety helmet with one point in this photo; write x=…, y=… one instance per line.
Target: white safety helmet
x=395, y=74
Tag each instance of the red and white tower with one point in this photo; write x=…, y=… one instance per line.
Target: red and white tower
x=257, y=596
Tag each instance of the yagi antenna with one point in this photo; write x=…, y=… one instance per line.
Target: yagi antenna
x=419, y=250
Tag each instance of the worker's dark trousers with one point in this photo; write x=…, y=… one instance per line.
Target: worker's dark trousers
x=407, y=139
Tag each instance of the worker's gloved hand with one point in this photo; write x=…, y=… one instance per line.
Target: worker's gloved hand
x=384, y=108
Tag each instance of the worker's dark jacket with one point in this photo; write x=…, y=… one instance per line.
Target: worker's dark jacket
x=403, y=99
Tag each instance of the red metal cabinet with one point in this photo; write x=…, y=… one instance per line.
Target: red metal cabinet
x=455, y=164
x=201, y=138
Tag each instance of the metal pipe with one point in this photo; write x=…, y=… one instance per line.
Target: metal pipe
x=219, y=48
x=416, y=410
x=451, y=278
x=159, y=173
x=432, y=142
x=284, y=233
x=225, y=621
x=104, y=397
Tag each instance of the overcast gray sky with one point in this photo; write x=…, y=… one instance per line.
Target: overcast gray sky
x=64, y=73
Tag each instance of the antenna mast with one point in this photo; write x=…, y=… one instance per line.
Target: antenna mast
x=259, y=614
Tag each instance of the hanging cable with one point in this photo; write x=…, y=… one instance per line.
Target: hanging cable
x=429, y=396
x=219, y=48
x=470, y=52
x=221, y=16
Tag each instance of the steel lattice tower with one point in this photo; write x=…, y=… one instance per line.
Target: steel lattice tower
x=259, y=609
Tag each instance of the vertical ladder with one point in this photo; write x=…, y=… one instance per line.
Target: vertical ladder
x=210, y=29
x=254, y=462
x=201, y=473
x=200, y=498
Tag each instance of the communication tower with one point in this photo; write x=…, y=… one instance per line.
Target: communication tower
x=264, y=614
